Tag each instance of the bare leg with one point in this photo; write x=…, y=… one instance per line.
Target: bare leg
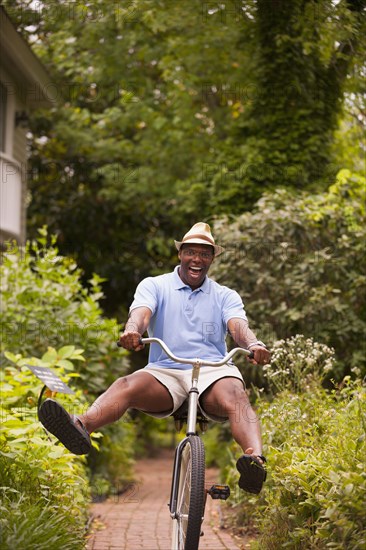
x=227, y=397
x=139, y=390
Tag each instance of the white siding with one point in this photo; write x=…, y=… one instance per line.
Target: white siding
x=10, y=197
x=20, y=155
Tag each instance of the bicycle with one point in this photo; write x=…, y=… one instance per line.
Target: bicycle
x=188, y=495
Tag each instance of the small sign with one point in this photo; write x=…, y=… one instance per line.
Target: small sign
x=50, y=379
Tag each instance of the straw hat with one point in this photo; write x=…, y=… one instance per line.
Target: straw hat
x=200, y=233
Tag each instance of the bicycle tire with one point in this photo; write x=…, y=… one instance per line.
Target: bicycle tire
x=190, y=496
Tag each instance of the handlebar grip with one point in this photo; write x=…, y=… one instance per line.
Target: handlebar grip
x=120, y=345
x=251, y=355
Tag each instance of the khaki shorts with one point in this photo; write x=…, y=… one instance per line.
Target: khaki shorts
x=178, y=383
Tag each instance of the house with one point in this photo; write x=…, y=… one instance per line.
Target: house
x=24, y=86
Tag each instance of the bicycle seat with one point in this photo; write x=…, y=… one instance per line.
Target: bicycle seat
x=180, y=417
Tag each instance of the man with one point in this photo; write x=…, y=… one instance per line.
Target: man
x=192, y=315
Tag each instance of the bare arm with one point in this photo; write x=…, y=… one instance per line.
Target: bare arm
x=245, y=337
x=136, y=325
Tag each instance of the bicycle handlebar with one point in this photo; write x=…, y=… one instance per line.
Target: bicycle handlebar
x=186, y=361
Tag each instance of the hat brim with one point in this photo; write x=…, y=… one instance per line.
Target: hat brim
x=217, y=249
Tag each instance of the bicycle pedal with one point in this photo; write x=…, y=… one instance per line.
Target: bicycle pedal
x=221, y=492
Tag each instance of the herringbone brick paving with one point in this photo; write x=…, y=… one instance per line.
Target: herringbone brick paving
x=139, y=518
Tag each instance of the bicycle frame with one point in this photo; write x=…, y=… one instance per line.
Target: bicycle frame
x=191, y=430
x=196, y=367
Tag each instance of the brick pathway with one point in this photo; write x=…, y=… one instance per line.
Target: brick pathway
x=139, y=519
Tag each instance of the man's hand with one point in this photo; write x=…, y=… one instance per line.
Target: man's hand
x=261, y=355
x=245, y=338
x=137, y=323
x=131, y=340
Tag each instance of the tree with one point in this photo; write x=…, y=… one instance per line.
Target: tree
x=172, y=111
x=305, y=55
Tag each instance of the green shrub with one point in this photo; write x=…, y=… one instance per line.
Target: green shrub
x=314, y=441
x=111, y=465
x=44, y=488
x=298, y=261
x=44, y=304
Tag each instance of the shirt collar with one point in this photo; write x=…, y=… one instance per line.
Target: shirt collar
x=178, y=283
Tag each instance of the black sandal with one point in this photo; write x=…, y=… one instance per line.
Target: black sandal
x=66, y=427
x=252, y=473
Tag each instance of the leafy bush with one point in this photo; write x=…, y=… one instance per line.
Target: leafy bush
x=314, y=441
x=45, y=490
x=111, y=465
x=44, y=303
x=298, y=261
x=317, y=485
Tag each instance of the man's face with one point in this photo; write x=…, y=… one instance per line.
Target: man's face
x=195, y=260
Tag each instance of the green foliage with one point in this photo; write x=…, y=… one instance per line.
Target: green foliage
x=44, y=303
x=169, y=112
x=315, y=446
x=217, y=440
x=36, y=527
x=111, y=464
x=45, y=490
x=173, y=111
x=303, y=54
x=153, y=434
x=299, y=263
x=317, y=481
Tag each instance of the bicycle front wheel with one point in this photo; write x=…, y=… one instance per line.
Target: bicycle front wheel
x=190, y=496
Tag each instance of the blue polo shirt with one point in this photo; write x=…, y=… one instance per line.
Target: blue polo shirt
x=193, y=323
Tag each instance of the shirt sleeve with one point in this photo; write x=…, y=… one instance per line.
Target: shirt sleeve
x=145, y=295
x=233, y=307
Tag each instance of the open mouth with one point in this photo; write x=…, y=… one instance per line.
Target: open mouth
x=195, y=271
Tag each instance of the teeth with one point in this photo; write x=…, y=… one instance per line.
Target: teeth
x=195, y=268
